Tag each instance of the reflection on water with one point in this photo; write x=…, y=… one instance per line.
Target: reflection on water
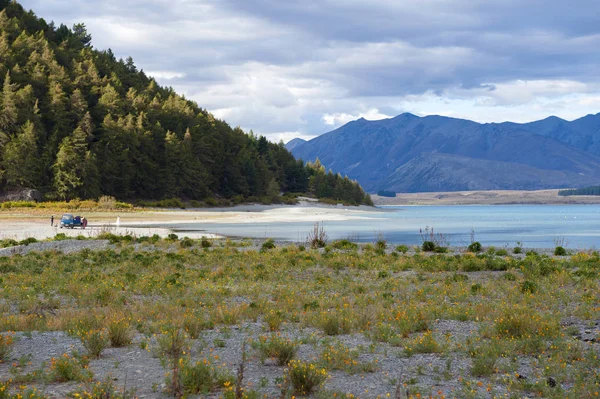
x=537, y=226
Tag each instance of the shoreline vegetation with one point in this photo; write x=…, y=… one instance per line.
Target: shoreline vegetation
x=152, y=317
x=491, y=197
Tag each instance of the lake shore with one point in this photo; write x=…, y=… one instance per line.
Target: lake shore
x=21, y=224
x=491, y=197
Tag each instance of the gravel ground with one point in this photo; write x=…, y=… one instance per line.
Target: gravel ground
x=141, y=369
x=65, y=246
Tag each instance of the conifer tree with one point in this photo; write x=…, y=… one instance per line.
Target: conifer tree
x=21, y=159
x=70, y=167
x=8, y=110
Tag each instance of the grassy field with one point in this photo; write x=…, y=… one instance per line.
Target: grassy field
x=237, y=319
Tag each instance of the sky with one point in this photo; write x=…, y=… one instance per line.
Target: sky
x=301, y=68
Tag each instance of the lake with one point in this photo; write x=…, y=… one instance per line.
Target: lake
x=534, y=226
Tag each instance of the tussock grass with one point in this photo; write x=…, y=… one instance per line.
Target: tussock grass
x=516, y=307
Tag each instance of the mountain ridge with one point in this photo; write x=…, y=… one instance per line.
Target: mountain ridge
x=557, y=152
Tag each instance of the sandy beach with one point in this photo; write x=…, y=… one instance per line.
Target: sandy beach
x=19, y=225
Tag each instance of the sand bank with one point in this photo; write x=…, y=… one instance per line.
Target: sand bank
x=20, y=225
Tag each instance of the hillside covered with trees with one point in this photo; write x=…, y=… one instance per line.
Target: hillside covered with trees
x=592, y=190
x=75, y=122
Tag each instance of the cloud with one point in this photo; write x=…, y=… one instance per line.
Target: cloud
x=343, y=118
x=286, y=67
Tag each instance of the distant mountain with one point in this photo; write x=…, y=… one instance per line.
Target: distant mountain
x=435, y=153
x=294, y=143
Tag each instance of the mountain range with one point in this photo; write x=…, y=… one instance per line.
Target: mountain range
x=409, y=153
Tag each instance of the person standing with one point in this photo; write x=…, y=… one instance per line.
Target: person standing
x=52, y=220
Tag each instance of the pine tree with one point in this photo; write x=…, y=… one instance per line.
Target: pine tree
x=8, y=110
x=21, y=159
x=70, y=168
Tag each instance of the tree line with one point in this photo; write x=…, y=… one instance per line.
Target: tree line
x=75, y=122
x=592, y=190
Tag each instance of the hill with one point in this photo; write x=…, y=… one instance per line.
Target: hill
x=75, y=122
x=434, y=153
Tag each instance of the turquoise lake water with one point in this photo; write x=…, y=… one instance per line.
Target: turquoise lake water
x=535, y=226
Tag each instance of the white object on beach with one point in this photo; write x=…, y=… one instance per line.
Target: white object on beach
x=118, y=221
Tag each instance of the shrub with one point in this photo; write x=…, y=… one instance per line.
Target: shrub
x=317, y=238
x=102, y=390
x=344, y=244
x=275, y=347
x=428, y=246
x=94, y=341
x=267, y=245
x=194, y=325
x=203, y=377
x=8, y=242
x=426, y=343
x=305, y=378
x=474, y=247
x=28, y=241
x=501, y=252
x=340, y=357
x=172, y=237
x=6, y=345
x=528, y=287
x=517, y=250
x=67, y=368
x=380, y=245
x=273, y=320
x=509, y=276
x=402, y=248
x=475, y=288
x=484, y=361
x=186, y=242
x=172, y=343
x=205, y=243
x=440, y=250
x=560, y=251
x=334, y=324
x=119, y=333
x=60, y=237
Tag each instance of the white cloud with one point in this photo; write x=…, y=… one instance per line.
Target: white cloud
x=302, y=68
x=338, y=119
x=166, y=75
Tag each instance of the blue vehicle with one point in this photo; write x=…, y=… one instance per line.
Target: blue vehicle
x=68, y=221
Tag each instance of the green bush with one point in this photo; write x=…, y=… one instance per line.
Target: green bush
x=402, y=248
x=474, y=247
x=203, y=377
x=205, y=243
x=428, y=246
x=28, y=241
x=560, y=251
x=344, y=244
x=281, y=349
x=305, y=378
x=528, y=287
x=517, y=250
x=9, y=242
x=267, y=245
x=186, y=242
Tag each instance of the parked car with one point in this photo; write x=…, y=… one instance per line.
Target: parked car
x=68, y=221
